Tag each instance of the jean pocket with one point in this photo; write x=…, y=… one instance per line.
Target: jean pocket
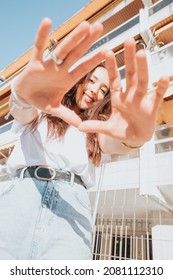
x=5, y=188
x=82, y=196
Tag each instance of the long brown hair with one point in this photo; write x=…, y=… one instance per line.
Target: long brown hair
x=58, y=127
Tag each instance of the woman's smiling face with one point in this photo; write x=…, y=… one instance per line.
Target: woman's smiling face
x=94, y=89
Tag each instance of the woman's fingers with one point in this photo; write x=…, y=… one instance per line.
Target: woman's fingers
x=162, y=86
x=78, y=42
x=65, y=114
x=84, y=67
x=142, y=73
x=72, y=39
x=130, y=63
x=94, y=126
x=113, y=72
x=41, y=39
x=136, y=70
x=73, y=45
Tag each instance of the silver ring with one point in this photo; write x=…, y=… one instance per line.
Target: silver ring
x=57, y=60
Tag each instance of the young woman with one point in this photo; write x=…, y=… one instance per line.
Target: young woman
x=69, y=120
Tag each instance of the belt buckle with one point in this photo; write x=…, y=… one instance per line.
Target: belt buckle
x=43, y=178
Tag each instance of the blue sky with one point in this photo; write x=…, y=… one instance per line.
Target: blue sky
x=19, y=20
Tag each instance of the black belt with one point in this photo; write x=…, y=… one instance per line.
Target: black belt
x=48, y=173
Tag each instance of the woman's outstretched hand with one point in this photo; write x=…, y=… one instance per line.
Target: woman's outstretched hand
x=134, y=112
x=44, y=83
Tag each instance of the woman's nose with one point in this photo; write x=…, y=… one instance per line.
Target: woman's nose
x=95, y=89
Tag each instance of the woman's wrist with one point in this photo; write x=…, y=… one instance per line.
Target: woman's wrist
x=16, y=103
x=20, y=102
x=131, y=147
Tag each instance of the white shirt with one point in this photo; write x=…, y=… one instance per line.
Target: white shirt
x=67, y=153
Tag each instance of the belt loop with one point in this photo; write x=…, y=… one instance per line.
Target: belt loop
x=22, y=172
x=72, y=179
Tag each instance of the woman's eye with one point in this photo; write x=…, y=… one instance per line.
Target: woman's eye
x=91, y=80
x=103, y=91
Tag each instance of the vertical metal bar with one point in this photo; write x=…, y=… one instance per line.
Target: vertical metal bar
x=97, y=245
x=115, y=245
x=122, y=223
x=125, y=249
x=134, y=224
x=136, y=247
x=106, y=242
x=95, y=207
x=131, y=247
x=102, y=239
x=95, y=238
x=147, y=229
x=121, y=242
x=142, y=246
x=110, y=241
x=94, y=241
x=112, y=224
x=104, y=232
x=148, y=248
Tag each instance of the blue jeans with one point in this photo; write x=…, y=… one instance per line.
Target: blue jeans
x=44, y=220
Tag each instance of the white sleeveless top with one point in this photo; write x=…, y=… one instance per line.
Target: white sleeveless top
x=68, y=153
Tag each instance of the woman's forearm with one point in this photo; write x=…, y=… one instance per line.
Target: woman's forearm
x=109, y=145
